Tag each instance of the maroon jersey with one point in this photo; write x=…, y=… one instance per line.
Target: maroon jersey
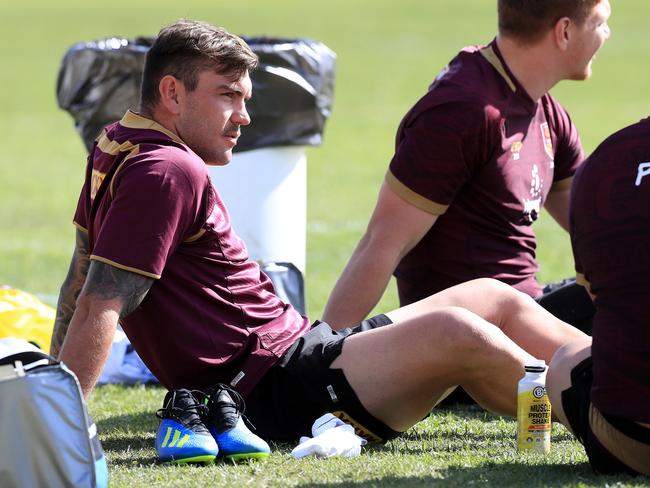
x=480, y=153
x=212, y=316
x=610, y=234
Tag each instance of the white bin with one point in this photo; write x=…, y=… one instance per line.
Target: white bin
x=265, y=191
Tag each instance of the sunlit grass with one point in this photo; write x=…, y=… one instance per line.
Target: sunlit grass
x=387, y=54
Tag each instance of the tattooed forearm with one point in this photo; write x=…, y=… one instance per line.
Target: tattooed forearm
x=70, y=291
x=108, y=282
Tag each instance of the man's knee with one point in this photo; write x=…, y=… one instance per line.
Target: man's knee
x=462, y=331
x=492, y=285
x=564, y=360
x=502, y=293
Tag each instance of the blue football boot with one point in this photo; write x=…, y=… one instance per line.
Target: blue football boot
x=182, y=436
x=225, y=421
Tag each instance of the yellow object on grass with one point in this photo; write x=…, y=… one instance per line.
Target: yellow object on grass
x=25, y=317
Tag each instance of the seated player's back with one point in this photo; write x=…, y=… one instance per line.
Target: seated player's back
x=610, y=233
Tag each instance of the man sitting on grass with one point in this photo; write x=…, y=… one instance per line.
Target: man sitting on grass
x=476, y=159
x=155, y=250
x=600, y=387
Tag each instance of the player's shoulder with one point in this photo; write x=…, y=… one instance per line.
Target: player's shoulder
x=174, y=152
x=463, y=115
x=635, y=136
x=169, y=159
x=468, y=76
x=625, y=148
x=471, y=80
x=639, y=130
x=467, y=93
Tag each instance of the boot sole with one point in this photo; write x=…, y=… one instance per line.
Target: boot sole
x=245, y=456
x=196, y=459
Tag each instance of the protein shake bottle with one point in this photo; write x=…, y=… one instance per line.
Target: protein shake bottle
x=533, y=410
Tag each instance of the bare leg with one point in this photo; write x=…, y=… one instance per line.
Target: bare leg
x=558, y=377
x=400, y=371
x=518, y=315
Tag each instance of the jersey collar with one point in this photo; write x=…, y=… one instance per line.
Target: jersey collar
x=132, y=120
x=493, y=56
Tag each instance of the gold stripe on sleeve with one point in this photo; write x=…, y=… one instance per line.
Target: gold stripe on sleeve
x=80, y=227
x=489, y=54
x=562, y=185
x=125, y=268
x=414, y=198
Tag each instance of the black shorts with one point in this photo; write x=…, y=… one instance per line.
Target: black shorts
x=628, y=443
x=301, y=387
x=569, y=302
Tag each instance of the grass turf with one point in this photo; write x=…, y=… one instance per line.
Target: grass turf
x=462, y=447
x=387, y=54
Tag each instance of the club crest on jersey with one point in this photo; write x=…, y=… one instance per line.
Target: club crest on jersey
x=515, y=150
x=546, y=138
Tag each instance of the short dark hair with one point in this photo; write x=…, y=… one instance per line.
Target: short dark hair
x=528, y=20
x=186, y=48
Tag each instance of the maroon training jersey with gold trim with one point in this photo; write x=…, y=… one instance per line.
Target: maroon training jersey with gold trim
x=480, y=153
x=212, y=315
x=610, y=234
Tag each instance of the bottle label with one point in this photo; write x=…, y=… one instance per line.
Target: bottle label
x=534, y=421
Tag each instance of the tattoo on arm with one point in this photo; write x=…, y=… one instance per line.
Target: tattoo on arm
x=70, y=291
x=109, y=282
x=97, y=278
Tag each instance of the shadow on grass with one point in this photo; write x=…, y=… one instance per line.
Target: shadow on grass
x=473, y=435
x=504, y=475
x=124, y=437
x=141, y=422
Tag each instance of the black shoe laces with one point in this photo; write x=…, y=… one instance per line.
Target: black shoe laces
x=188, y=413
x=224, y=410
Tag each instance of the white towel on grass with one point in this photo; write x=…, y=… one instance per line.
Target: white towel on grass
x=331, y=437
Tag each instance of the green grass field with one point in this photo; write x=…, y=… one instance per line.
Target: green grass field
x=387, y=54
x=461, y=448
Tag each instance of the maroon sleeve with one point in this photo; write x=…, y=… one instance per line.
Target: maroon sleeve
x=580, y=274
x=155, y=206
x=576, y=208
x=81, y=214
x=437, y=151
x=569, y=154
